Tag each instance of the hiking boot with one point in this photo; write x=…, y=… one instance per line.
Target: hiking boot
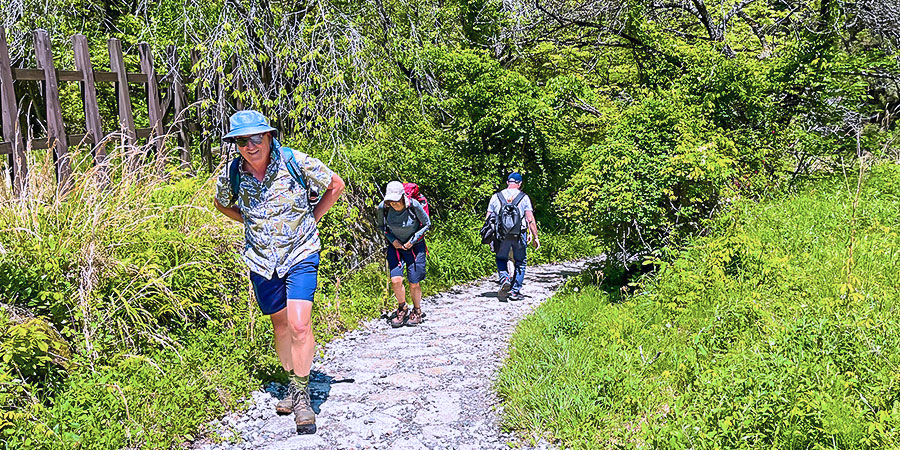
x=402, y=316
x=415, y=317
x=515, y=296
x=503, y=293
x=304, y=417
x=285, y=406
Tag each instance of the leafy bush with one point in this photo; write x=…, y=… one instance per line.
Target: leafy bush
x=768, y=333
x=660, y=174
x=119, y=403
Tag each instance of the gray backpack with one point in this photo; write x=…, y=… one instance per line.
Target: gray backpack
x=509, y=219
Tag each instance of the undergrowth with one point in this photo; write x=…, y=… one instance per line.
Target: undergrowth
x=778, y=330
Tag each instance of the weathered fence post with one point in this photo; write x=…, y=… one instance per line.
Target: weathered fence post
x=156, y=130
x=9, y=111
x=117, y=65
x=180, y=105
x=93, y=125
x=56, y=130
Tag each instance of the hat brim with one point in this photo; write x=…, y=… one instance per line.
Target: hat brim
x=249, y=131
x=393, y=197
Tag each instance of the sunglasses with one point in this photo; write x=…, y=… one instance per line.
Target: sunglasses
x=242, y=141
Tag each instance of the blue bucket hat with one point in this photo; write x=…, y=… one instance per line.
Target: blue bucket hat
x=246, y=123
x=514, y=177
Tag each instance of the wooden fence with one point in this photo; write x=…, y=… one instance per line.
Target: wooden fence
x=171, y=100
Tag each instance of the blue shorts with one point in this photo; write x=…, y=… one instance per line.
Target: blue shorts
x=299, y=283
x=413, y=259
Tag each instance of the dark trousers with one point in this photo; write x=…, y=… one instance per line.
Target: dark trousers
x=518, y=247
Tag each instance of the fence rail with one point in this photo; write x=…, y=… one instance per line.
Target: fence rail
x=74, y=75
x=174, y=100
x=72, y=140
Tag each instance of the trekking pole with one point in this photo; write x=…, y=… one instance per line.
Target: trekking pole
x=386, y=304
x=387, y=287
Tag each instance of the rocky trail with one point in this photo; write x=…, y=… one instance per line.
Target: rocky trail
x=424, y=387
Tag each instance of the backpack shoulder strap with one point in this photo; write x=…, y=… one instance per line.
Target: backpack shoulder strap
x=518, y=198
x=234, y=178
x=409, y=210
x=291, y=163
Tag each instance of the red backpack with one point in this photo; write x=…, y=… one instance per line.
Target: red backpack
x=412, y=191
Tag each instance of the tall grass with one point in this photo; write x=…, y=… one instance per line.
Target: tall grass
x=109, y=253
x=770, y=333
x=126, y=273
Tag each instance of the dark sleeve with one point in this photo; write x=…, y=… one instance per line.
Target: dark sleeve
x=424, y=221
x=382, y=224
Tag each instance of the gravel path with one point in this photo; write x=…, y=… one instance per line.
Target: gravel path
x=424, y=387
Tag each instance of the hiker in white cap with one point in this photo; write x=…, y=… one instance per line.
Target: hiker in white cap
x=404, y=222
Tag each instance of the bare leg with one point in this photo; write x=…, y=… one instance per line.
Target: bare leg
x=399, y=290
x=282, y=338
x=303, y=347
x=415, y=291
x=303, y=342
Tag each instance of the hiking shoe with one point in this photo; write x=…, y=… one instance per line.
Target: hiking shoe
x=304, y=417
x=402, y=316
x=503, y=293
x=515, y=296
x=415, y=317
x=285, y=406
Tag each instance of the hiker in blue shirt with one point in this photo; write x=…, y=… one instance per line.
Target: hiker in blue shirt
x=514, y=217
x=404, y=222
x=269, y=188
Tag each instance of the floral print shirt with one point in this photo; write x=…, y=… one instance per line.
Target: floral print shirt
x=279, y=227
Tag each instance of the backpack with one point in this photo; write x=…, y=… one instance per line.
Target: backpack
x=489, y=230
x=289, y=161
x=509, y=219
x=412, y=191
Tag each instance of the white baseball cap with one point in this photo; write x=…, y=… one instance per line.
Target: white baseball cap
x=394, y=191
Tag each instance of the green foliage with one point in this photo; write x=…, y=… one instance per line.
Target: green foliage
x=119, y=403
x=36, y=351
x=485, y=122
x=135, y=272
x=634, y=126
x=756, y=336
x=660, y=173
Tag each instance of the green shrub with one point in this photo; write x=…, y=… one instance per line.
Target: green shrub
x=120, y=403
x=765, y=334
x=659, y=175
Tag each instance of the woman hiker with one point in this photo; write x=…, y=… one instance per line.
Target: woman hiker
x=271, y=190
x=404, y=222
